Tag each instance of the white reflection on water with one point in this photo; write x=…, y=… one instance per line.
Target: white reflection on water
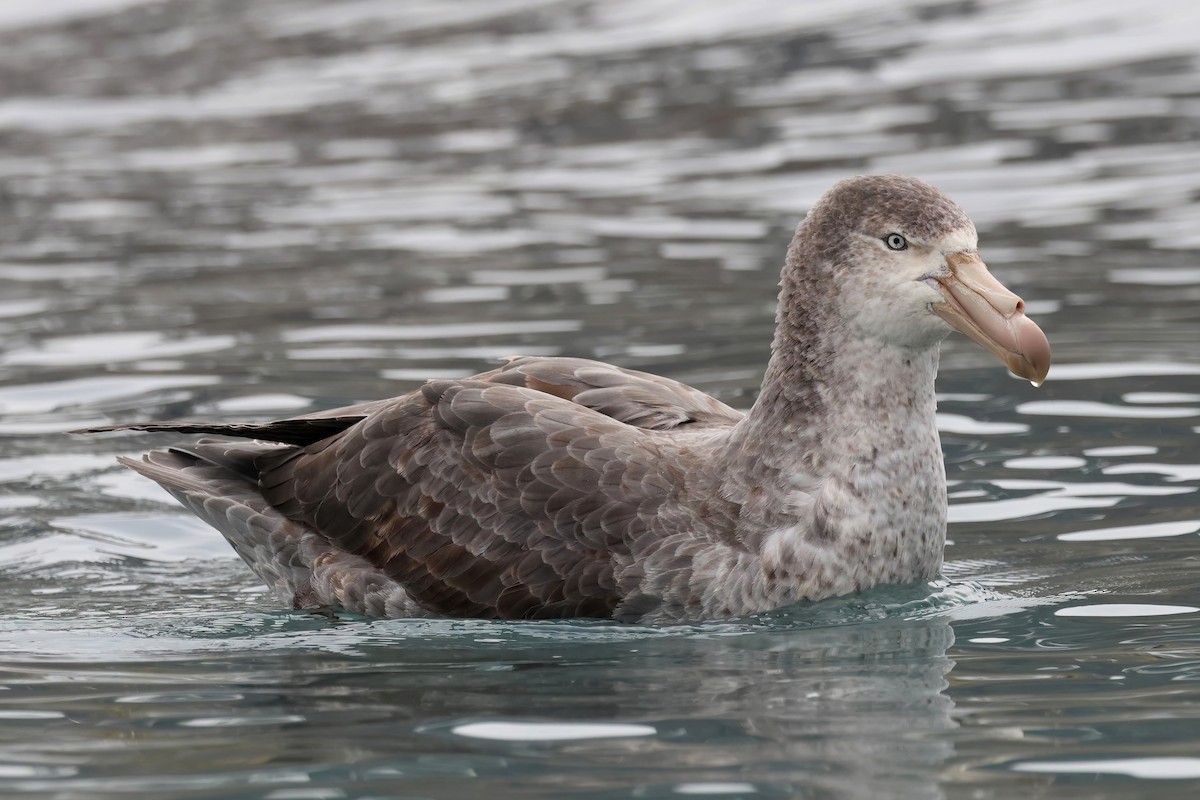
x=243, y=722
x=41, y=398
x=1149, y=531
x=1173, y=472
x=511, y=731
x=448, y=240
x=1091, y=408
x=1121, y=450
x=1018, y=508
x=22, y=15
x=1149, y=768
x=1124, y=610
x=1160, y=397
x=539, y=277
x=714, y=788
x=9, y=501
x=22, y=308
x=465, y=294
x=959, y=423
x=451, y=330
x=113, y=347
x=45, y=273
x=364, y=206
x=100, y=538
x=208, y=156
x=1155, y=277
x=260, y=403
x=1045, y=462
x=422, y=374
x=1122, y=369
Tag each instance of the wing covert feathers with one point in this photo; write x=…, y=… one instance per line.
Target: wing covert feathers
x=480, y=499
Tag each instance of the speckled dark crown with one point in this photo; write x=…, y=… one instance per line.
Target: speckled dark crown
x=868, y=203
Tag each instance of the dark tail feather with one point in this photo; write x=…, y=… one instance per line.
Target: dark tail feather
x=286, y=431
x=216, y=481
x=268, y=542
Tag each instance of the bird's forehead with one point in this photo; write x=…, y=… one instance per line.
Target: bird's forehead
x=873, y=203
x=957, y=240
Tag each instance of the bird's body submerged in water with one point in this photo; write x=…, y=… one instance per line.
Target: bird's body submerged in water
x=558, y=487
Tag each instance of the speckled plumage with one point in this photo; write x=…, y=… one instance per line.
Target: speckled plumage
x=558, y=487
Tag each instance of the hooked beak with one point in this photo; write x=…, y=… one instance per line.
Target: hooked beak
x=978, y=305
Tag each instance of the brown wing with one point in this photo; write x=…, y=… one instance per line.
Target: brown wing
x=481, y=499
x=635, y=398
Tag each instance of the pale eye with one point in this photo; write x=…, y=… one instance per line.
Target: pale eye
x=895, y=241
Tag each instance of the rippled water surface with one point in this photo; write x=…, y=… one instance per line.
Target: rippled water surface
x=240, y=210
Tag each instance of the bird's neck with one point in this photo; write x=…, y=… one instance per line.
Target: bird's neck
x=830, y=397
x=852, y=418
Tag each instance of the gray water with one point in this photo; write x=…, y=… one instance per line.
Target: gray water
x=245, y=210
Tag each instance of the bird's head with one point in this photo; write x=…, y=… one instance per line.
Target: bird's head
x=904, y=260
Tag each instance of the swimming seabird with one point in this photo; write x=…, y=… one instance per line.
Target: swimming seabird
x=562, y=487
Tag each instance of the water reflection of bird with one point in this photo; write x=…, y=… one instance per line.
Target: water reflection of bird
x=853, y=711
x=559, y=487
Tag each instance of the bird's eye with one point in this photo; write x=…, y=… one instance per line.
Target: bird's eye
x=895, y=241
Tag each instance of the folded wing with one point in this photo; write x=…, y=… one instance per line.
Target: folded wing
x=480, y=499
